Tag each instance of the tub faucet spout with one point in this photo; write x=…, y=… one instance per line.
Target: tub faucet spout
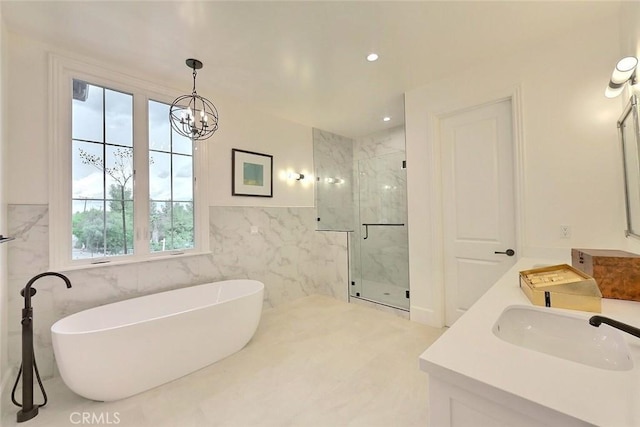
x=597, y=320
x=27, y=292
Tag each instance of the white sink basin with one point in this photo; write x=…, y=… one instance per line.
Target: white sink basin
x=564, y=335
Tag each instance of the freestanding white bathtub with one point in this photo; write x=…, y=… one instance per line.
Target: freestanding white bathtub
x=121, y=349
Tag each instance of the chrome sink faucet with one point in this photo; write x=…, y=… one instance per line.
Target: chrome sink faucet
x=597, y=320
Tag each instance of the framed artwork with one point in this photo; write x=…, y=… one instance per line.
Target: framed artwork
x=251, y=174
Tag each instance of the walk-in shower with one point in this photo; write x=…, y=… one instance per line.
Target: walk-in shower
x=361, y=189
x=379, y=253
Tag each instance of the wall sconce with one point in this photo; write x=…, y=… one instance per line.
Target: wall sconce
x=625, y=71
x=334, y=180
x=296, y=176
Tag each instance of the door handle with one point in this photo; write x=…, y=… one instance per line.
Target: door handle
x=508, y=252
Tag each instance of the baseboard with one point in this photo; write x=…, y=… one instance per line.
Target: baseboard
x=426, y=316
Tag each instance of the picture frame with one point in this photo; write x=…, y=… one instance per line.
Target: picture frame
x=251, y=173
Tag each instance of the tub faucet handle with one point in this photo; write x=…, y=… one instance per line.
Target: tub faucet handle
x=26, y=320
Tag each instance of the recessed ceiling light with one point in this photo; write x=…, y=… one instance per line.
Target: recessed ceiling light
x=372, y=57
x=386, y=119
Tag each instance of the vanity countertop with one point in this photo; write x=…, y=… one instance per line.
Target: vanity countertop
x=469, y=351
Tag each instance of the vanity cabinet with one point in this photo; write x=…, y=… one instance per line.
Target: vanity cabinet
x=474, y=404
x=475, y=378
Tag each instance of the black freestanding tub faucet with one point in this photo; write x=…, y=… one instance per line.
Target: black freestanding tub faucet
x=29, y=410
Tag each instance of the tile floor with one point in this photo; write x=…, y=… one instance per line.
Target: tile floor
x=313, y=362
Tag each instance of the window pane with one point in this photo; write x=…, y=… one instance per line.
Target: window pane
x=171, y=226
x=119, y=227
x=119, y=118
x=119, y=173
x=170, y=184
x=182, y=178
x=102, y=188
x=160, y=176
x=160, y=218
x=87, y=112
x=159, y=127
x=88, y=230
x=182, y=235
x=181, y=144
x=88, y=177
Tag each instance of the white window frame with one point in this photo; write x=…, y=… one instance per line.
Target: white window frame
x=62, y=72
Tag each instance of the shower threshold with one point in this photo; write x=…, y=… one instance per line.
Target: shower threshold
x=361, y=298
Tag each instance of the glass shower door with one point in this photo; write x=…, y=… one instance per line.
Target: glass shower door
x=380, y=250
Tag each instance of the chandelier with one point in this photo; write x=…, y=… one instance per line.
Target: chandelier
x=192, y=115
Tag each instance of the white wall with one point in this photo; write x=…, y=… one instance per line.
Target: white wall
x=290, y=144
x=28, y=133
x=4, y=361
x=241, y=126
x=630, y=28
x=569, y=163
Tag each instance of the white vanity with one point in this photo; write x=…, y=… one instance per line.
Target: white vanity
x=479, y=379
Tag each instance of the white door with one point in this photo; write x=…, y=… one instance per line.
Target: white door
x=478, y=203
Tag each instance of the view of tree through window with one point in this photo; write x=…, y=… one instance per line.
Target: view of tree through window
x=103, y=193
x=170, y=183
x=102, y=169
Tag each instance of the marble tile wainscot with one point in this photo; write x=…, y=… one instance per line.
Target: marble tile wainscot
x=286, y=254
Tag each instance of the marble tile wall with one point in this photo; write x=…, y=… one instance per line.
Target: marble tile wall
x=286, y=253
x=380, y=143
x=283, y=250
x=382, y=189
x=333, y=163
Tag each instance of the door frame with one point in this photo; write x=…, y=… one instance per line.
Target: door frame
x=437, y=244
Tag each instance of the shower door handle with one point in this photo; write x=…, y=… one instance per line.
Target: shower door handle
x=366, y=228
x=508, y=252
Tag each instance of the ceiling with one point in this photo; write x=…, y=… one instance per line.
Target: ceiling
x=304, y=61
